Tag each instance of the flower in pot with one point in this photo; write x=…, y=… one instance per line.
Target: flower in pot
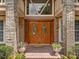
x=57, y=48
x=22, y=47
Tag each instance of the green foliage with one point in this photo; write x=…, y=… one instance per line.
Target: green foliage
x=64, y=57
x=69, y=57
x=5, y=51
x=77, y=47
x=72, y=56
x=71, y=53
x=20, y=56
x=70, y=50
x=10, y=57
x=21, y=45
x=2, y=45
x=56, y=45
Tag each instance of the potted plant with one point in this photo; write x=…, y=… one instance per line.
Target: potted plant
x=57, y=48
x=22, y=47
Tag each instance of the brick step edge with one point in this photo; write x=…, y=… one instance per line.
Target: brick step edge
x=43, y=58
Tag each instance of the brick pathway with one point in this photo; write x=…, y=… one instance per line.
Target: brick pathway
x=44, y=52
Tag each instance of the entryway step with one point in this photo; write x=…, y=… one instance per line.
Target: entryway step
x=41, y=56
x=44, y=52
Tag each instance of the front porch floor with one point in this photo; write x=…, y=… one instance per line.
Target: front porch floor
x=42, y=52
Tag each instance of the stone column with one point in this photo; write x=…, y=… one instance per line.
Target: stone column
x=21, y=29
x=56, y=26
x=68, y=24
x=10, y=24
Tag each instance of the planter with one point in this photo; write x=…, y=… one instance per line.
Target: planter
x=22, y=50
x=57, y=50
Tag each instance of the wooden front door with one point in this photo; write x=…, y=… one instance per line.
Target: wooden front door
x=39, y=32
x=45, y=32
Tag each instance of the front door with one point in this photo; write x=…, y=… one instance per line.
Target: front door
x=39, y=32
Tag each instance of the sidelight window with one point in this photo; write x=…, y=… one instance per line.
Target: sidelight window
x=1, y=31
x=77, y=30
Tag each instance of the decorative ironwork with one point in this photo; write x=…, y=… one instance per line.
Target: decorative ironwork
x=44, y=30
x=34, y=29
x=38, y=7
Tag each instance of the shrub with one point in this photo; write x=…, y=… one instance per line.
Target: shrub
x=70, y=51
x=20, y=56
x=10, y=57
x=64, y=57
x=5, y=51
x=72, y=57
x=77, y=50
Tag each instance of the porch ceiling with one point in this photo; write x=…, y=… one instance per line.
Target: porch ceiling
x=77, y=12
x=2, y=12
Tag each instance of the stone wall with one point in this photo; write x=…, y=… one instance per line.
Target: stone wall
x=10, y=24
x=68, y=24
